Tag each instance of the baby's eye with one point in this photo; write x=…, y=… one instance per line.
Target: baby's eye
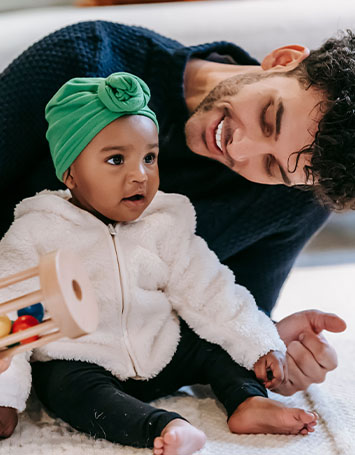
x=150, y=158
x=115, y=160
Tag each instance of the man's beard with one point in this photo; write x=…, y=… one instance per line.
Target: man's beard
x=224, y=90
x=228, y=88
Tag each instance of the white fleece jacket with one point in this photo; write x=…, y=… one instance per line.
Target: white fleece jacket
x=144, y=274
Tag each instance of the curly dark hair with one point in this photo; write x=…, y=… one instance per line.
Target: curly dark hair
x=331, y=69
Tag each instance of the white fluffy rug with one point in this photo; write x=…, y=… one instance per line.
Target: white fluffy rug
x=326, y=288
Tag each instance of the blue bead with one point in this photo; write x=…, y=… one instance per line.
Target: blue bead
x=36, y=310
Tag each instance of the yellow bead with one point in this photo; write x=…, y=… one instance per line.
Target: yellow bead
x=5, y=326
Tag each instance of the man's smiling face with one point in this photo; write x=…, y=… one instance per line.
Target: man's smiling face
x=253, y=123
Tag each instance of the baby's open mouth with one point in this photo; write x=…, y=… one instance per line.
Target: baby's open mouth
x=135, y=197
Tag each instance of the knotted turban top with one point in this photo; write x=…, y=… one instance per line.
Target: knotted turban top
x=82, y=107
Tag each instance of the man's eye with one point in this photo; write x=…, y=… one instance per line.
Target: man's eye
x=115, y=160
x=150, y=158
x=268, y=164
x=267, y=128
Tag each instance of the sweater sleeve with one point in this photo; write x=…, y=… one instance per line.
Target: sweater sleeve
x=17, y=253
x=204, y=294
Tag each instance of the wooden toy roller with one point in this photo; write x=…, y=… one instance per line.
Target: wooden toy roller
x=67, y=295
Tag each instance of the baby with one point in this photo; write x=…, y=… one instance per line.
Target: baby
x=170, y=314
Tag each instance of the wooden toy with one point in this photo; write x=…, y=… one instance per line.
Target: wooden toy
x=66, y=293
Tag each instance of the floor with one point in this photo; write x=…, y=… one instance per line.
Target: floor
x=334, y=400
x=334, y=244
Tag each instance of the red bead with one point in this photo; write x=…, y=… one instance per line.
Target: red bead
x=22, y=323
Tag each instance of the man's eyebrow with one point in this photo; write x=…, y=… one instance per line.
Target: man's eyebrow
x=271, y=161
x=284, y=175
x=279, y=114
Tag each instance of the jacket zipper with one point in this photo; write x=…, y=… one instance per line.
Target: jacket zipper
x=113, y=234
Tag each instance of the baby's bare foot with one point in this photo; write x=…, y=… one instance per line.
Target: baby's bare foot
x=262, y=415
x=179, y=438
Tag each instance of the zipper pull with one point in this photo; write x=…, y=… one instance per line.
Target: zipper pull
x=112, y=229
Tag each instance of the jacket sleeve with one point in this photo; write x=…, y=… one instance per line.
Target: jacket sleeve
x=204, y=294
x=17, y=253
x=15, y=383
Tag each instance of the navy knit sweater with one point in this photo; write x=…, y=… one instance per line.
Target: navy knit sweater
x=257, y=230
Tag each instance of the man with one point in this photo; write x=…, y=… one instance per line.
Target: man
x=251, y=120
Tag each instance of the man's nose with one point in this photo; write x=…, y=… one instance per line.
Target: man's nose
x=247, y=149
x=240, y=158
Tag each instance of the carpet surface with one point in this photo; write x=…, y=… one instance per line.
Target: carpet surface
x=327, y=288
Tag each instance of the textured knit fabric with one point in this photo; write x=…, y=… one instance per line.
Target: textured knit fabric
x=82, y=107
x=105, y=407
x=257, y=230
x=143, y=277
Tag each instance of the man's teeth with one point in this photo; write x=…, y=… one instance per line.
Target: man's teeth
x=219, y=134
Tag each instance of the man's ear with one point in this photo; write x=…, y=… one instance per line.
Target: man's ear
x=68, y=179
x=285, y=58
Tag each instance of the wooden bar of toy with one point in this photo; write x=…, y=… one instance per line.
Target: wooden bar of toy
x=67, y=295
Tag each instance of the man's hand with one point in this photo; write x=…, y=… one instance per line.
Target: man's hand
x=8, y=421
x=271, y=369
x=309, y=356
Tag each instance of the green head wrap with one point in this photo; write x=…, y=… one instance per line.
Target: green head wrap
x=82, y=107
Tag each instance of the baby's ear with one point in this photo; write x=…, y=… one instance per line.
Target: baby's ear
x=68, y=179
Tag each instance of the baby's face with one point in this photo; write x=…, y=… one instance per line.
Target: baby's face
x=116, y=176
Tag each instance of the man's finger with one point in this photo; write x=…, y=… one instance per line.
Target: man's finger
x=277, y=371
x=296, y=379
x=309, y=370
x=326, y=321
x=321, y=350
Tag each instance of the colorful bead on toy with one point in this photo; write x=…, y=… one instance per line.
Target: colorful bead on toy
x=67, y=296
x=36, y=310
x=5, y=326
x=25, y=322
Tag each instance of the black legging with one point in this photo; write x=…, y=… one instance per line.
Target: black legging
x=94, y=401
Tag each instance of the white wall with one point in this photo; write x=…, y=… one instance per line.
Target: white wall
x=8, y=5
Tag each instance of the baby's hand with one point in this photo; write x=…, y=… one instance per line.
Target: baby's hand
x=271, y=369
x=4, y=364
